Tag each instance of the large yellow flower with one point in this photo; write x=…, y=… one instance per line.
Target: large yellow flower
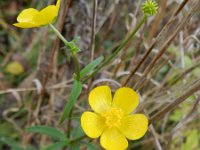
x=112, y=119
x=30, y=18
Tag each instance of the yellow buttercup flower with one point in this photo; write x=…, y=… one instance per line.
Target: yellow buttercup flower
x=30, y=18
x=14, y=68
x=112, y=118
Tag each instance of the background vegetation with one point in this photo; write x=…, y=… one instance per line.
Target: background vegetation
x=162, y=63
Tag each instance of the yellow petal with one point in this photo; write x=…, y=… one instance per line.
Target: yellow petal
x=58, y=4
x=100, y=99
x=26, y=25
x=92, y=124
x=46, y=15
x=126, y=99
x=15, y=68
x=134, y=126
x=27, y=15
x=112, y=139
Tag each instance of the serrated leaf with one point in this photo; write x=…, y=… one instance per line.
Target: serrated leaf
x=75, y=92
x=91, y=66
x=52, y=132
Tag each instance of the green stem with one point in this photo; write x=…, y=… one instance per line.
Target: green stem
x=77, y=139
x=77, y=66
x=124, y=43
x=66, y=44
x=59, y=35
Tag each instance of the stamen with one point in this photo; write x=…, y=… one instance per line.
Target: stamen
x=113, y=117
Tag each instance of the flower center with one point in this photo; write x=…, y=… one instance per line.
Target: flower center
x=113, y=117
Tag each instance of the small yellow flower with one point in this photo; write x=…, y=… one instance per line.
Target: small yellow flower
x=30, y=18
x=14, y=68
x=112, y=119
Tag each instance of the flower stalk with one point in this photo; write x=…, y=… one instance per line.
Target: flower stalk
x=149, y=8
x=124, y=43
x=73, y=50
x=59, y=34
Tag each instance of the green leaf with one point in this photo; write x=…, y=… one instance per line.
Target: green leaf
x=90, y=146
x=75, y=92
x=188, y=61
x=191, y=140
x=11, y=143
x=75, y=147
x=91, y=66
x=176, y=115
x=73, y=47
x=58, y=145
x=52, y=132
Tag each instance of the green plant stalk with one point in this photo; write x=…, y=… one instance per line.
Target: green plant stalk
x=74, y=56
x=124, y=43
x=77, y=66
x=59, y=35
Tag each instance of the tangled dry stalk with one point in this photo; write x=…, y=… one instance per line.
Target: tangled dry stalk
x=162, y=63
